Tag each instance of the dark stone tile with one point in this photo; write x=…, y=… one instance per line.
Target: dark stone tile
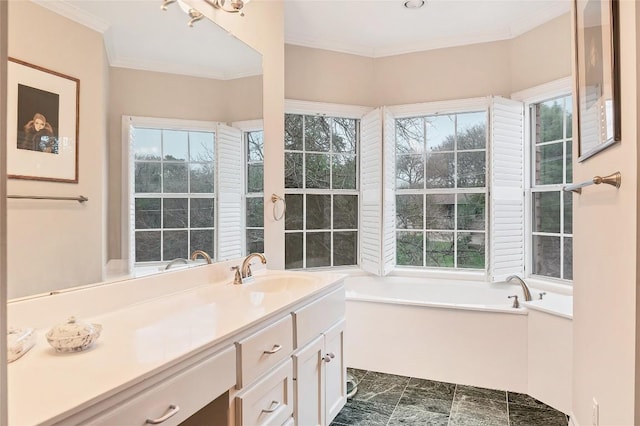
x=475, y=392
x=383, y=390
x=435, y=389
x=422, y=399
x=364, y=413
x=408, y=416
x=522, y=415
x=469, y=408
x=524, y=399
x=481, y=419
x=374, y=375
x=356, y=373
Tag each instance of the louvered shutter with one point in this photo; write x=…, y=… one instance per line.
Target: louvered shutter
x=371, y=192
x=230, y=189
x=507, y=189
x=388, y=194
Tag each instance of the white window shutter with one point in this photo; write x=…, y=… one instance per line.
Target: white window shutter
x=389, y=192
x=230, y=189
x=507, y=189
x=371, y=192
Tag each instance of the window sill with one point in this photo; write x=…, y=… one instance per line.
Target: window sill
x=549, y=285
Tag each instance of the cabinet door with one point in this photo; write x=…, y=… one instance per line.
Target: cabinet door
x=335, y=371
x=308, y=371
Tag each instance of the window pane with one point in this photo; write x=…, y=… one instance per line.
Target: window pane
x=202, y=178
x=174, y=177
x=293, y=216
x=175, y=145
x=410, y=136
x=292, y=170
x=255, y=146
x=440, y=249
x=317, y=133
x=568, y=212
x=255, y=241
x=344, y=172
x=147, y=212
x=344, y=135
x=568, y=259
x=148, y=246
x=471, y=211
x=568, y=106
x=318, y=212
x=471, y=169
x=202, y=213
x=201, y=146
x=147, y=179
x=293, y=250
x=441, y=133
x=546, y=256
x=409, y=248
x=440, y=211
x=174, y=212
x=147, y=144
x=409, y=211
x=546, y=212
x=472, y=130
x=569, y=161
x=409, y=172
x=440, y=170
x=548, y=165
x=550, y=120
x=318, y=249
x=471, y=250
x=255, y=178
x=175, y=244
x=293, y=132
x=202, y=240
x=345, y=248
x=317, y=170
x=345, y=212
x=255, y=212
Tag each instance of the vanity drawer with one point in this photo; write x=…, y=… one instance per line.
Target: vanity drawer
x=187, y=391
x=263, y=350
x=318, y=316
x=269, y=401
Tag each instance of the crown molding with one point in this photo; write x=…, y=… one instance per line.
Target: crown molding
x=72, y=12
x=552, y=11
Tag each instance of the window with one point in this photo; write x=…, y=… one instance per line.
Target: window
x=254, y=207
x=551, y=208
x=321, y=191
x=441, y=190
x=174, y=196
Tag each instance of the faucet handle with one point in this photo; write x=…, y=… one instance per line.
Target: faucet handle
x=516, y=304
x=541, y=295
x=237, y=279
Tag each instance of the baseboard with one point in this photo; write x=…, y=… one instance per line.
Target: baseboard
x=572, y=420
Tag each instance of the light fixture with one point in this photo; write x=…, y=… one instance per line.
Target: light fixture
x=235, y=5
x=414, y=4
x=195, y=15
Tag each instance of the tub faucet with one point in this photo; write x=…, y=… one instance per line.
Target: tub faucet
x=200, y=253
x=525, y=289
x=245, y=270
x=174, y=261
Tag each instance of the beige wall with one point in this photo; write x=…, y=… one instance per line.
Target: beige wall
x=57, y=244
x=155, y=94
x=605, y=253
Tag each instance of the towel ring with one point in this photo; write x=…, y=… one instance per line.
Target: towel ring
x=274, y=199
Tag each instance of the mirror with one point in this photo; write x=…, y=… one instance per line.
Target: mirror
x=131, y=58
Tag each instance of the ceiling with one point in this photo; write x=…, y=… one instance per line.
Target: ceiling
x=139, y=35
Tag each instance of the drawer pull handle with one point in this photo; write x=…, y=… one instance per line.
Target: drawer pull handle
x=273, y=407
x=328, y=357
x=173, y=410
x=273, y=350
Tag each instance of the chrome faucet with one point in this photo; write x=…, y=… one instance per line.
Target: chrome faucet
x=525, y=289
x=200, y=253
x=174, y=261
x=245, y=270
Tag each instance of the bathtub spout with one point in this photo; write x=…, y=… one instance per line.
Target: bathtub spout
x=525, y=288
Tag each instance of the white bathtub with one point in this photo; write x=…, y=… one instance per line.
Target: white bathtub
x=463, y=332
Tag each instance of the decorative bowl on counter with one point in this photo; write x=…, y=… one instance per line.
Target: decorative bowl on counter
x=19, y=341
x=73, y=336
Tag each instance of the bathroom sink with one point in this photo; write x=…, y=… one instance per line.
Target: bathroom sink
x=280, y=283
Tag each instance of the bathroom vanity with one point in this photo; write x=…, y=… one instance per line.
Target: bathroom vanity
x=173, y=343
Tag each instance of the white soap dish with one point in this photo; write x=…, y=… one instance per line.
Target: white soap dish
x=73, y=336
x=19, y=341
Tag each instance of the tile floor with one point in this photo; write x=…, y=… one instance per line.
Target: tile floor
x=388, y=400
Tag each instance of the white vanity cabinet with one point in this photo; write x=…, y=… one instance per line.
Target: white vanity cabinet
x=319, y=367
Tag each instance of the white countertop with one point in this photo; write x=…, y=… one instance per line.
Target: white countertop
x=141, y=340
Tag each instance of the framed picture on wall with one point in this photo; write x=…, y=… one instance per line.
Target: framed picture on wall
x=598, y=75
x=42, y=123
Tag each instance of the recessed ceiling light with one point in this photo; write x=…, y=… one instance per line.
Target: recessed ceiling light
x=414, y=4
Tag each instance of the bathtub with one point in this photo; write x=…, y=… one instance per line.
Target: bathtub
x=464, y=332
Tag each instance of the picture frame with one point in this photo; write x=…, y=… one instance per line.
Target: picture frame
x=597, y=55
x=42, y=123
